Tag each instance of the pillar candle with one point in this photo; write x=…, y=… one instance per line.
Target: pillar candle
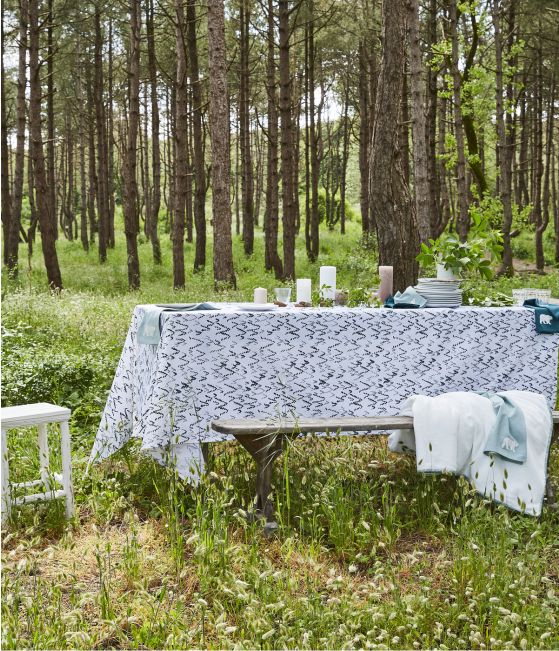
x=328, y=278
x=260, y=295
x=304, y=290
x=386, y=282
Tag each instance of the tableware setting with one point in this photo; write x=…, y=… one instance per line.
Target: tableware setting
x=440, y=293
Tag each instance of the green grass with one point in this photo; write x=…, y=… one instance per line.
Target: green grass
x=369, y=554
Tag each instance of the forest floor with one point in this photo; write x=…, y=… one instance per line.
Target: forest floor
x=369, y=553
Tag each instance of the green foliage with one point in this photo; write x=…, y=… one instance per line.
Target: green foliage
x=474, y=255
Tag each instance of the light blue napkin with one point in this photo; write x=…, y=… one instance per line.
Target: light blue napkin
x=149, y=331
x=409, y=299
x=507, y=438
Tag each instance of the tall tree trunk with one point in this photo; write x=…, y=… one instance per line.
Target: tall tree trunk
x=397, y=232
x=92, y=169
x=13, y=246
x=247, y=175
x=463, y=221
x=504, y=130
x=109, y=146
x=51, y=163
x=433, y=178
x=345, y=157
x=102, y=174
x=271, y=218
x=537, y=161
x=198, y=139
x=129, y=185
x=546, y=193
x=315, y=140
x=46, y=219
x=7, y=215
x=181, y=127
x=153, y=219
x=364, y=137
x=224, y=273
x=286, y=120
x=419, y=130
x=83, y=180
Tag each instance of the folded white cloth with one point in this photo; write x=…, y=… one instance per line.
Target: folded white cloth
x=450, y=434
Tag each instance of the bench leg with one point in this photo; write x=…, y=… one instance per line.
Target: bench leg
x=44, y=462
x=264, y=449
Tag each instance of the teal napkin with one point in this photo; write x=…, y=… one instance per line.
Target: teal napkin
x=149, y=331
x=545, y=314
x=409, y=299
x=507, y=438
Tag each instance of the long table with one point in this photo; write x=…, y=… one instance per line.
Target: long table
x=310, y=362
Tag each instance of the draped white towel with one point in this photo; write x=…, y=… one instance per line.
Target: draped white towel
x=450, y=433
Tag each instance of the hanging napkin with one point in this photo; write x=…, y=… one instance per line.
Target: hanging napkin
x=507, y=437
x=546, y=315
x=149, y=331
x=409, y=299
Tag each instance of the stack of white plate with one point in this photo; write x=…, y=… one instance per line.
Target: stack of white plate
x=440, y=293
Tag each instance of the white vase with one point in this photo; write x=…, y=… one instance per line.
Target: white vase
x=445, y=274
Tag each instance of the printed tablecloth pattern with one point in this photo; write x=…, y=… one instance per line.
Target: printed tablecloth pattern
x=313, y=362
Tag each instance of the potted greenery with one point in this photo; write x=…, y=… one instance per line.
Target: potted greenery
x=453, y=257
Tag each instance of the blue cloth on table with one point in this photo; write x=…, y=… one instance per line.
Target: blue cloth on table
x=507, y=438
x=410, y=299
x=546, y=315
x=149, y=331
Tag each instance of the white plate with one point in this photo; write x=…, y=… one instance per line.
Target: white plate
x=257, y=307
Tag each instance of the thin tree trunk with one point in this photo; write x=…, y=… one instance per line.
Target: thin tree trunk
x=419, y=130
x=198, y=139
x=247, y=176
x=345, y=158
x=102, y=176
x=51, y=163
x=463, y=225
x=433, y=178
x=13, y=246
x=129, y=186
x=389, y=194
x=224, y=273
x=271, y=219
x=7, y=215
x=153, y=218
x=546, y=193
x=109, y=146
x=181, y=127
x=364, y=137
x=504, y=132
x=46, y=219
x=537, y=162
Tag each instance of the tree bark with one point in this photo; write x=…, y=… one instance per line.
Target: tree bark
x=389, y=194
x=46, y=219
x=287, y=145
x=153, y=219
x=7, y=216
x=181, y=127
x=271, y=218
x=247, y=175
x=463, y=221
x=51, y=163
x=537, y=161
x=198, y=140
x=504, y=130
x=419, y=130
x=129, y=185
x=224, y=274
x=100, y=127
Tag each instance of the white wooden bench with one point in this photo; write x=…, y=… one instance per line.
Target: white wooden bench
x=38, y=414
x=264, y=441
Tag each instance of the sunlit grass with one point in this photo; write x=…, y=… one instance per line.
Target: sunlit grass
x=369, y=554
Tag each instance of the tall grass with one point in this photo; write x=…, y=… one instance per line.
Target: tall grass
x=368, y=554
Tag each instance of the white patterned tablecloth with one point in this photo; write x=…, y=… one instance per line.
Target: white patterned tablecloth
x=312, y=362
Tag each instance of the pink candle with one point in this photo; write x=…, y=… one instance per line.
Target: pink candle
x=386, y=282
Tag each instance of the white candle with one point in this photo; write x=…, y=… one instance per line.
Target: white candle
x=386, y=282
x=304, y=290
x=328, y=282
x=260, y=295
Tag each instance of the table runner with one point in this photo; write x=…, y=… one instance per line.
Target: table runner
x=312, y=362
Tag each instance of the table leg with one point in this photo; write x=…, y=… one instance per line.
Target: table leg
x=6, y=497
